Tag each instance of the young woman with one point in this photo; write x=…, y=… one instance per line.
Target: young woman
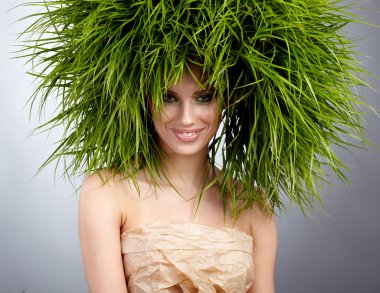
x=176, y=244
x=141, y=88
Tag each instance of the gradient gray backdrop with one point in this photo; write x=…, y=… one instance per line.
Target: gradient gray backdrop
x=39, y=248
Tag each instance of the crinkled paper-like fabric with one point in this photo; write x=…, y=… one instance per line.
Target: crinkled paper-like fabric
x=187, y=257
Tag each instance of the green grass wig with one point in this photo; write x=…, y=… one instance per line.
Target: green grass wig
x=285, y=71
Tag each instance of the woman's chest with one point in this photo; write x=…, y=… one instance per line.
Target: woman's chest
x=167, y=207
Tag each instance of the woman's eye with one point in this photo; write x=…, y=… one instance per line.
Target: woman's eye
x=205, y=98
x=167, y=98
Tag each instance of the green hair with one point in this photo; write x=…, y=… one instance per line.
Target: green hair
x=285, y=69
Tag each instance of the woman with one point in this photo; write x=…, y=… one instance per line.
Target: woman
x=189, y=119
x=141, y=88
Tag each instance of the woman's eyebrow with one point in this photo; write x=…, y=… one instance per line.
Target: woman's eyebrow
x=171, y=92
x=197, y=92
x=210, y=90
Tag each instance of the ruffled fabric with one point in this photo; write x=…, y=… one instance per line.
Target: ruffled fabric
x=187, y=257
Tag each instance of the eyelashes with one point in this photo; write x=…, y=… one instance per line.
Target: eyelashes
x=168, y=98
x=202, y=98
x=205, y=98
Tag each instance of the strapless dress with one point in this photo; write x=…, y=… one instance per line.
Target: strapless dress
x=187, y=257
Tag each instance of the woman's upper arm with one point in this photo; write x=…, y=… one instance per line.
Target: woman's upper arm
x=99, y=222
x=264, y=234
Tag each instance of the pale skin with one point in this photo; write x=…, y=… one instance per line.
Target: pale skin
x=189, y=121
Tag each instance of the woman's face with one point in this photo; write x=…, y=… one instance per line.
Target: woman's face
x=189, y=117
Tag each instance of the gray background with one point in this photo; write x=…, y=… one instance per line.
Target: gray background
x=337, y=251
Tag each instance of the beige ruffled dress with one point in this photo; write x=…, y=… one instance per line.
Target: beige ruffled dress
x=187, y=257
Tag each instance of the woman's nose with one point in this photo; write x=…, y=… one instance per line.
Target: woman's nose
x=187, y=113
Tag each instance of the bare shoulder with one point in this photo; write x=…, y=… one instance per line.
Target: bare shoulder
x=104, y=184
x=115, y=192
x=259, y=217
x=101, y=180
x=102, y=192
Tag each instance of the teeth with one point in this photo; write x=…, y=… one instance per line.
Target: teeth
x=187, y=133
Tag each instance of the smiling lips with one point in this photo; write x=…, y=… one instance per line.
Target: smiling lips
x=187, y=135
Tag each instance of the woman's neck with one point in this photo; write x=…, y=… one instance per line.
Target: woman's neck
x=186, y=172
